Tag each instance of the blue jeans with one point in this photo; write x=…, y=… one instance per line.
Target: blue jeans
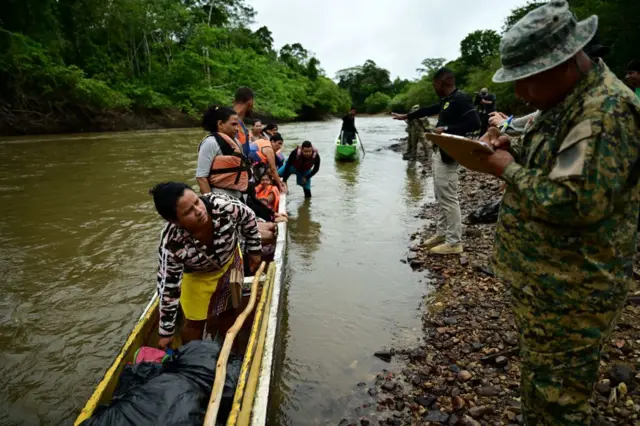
x=299, y=176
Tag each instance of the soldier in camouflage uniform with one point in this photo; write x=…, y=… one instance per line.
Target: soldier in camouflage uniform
x=415, y=133
x=566, y=234
x=415, y=130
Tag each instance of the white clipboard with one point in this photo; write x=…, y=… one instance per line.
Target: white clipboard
x=464, y=150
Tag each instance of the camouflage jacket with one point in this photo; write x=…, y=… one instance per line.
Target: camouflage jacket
x=570, y=211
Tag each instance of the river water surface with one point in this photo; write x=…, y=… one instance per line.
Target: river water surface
x=78, y=241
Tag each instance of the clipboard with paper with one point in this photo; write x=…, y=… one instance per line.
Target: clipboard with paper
x=464, y=150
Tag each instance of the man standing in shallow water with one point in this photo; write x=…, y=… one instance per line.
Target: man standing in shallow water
x=566, y=234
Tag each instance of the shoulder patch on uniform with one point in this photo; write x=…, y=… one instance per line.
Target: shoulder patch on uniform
x=446, y=105
x=572, y=153
x=578, y=133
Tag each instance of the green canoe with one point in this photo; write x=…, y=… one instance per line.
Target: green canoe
x=347, y=152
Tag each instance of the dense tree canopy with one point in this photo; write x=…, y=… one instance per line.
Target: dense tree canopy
x=78, y=64
x=480, y=58
x=68, y=63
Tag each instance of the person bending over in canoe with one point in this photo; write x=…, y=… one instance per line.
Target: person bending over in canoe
x=349, y=127
x=304, y=162
x=263, y=155
x=200, y=264
x=268, y=193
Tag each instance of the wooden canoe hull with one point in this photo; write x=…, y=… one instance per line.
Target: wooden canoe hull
x=252, y=393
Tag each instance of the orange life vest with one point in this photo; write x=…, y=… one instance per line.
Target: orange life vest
x=261, y=145
x=262, y=192
x=229, y=170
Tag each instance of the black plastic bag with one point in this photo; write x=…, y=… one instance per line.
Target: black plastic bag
x=486, y=214
x=175, y=392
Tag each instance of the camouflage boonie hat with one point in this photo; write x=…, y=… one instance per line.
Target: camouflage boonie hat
x=545, y=38
x=414, y=108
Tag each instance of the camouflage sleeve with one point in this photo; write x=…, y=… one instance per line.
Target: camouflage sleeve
x=589, y=176
x=516, y=149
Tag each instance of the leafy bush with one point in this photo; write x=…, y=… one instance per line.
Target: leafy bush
x=376, y=102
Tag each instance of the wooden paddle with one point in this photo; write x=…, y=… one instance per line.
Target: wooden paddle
x=361, y=145
x=221, y=366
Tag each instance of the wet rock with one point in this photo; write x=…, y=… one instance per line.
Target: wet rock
x=372, y=392
x=440, y=390
x=362, y=384
x=624, y=413
x=455, y=391
x=603, y=387
x=473, y=232
x=468, y=421
x=395, y=422
x=457, y=403
x=488, y=391
x=511, y=339
x=477, y=346
x=384, y=355
x=365, y=422
x=389, y=386
x=454, y=368
x=479, y=412
x=450, y=320
x=453, y=420
x=621, y=373
x=511, y=416
x=436, y=416
x=464, y=376
x=416, y=263
x=400, y=405
x=343, y=422
x=501, y=361
x=426, y=401
x=622, y=389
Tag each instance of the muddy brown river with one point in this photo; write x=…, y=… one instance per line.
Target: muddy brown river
x=78, y=241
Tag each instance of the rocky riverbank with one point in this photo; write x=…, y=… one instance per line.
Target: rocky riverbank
x=466, y=369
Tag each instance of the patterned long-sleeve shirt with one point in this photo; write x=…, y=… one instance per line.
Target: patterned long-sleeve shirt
x=179, y=252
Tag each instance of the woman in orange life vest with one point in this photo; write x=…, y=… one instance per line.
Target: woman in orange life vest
x=268, y=193
x=304, y=162
x=222, y=166
x=263, y=153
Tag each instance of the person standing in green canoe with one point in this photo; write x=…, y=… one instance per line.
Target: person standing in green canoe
x=349, y=127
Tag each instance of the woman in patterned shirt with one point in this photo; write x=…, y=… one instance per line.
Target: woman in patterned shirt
x=199, y=259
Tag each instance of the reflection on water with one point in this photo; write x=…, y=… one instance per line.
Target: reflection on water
x=348, y=172
x=78, y=241
x=304, y=231
x=414, y=188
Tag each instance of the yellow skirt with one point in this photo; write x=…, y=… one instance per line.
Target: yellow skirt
x=200, y=293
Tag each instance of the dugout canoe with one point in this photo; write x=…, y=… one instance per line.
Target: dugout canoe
x=252, y=393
